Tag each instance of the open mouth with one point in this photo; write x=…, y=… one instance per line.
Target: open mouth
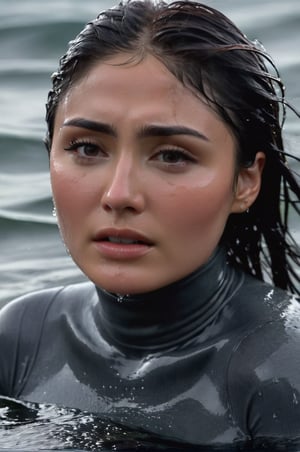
x=122, y=237
x=124, y=241
x=122, y=244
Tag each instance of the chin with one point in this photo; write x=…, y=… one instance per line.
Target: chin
x=118, y=287
x=129, y=281
x=126, y=288
x=123, y=290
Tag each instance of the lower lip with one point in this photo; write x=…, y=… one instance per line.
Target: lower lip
x=122, y=251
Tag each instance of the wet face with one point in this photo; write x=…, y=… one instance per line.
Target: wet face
x=143, y=175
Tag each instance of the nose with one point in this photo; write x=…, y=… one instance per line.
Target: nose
x=123, y=189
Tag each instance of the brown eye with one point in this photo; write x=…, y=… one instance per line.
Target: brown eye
x=88, y=150
x=85, y=149
x=173, y=156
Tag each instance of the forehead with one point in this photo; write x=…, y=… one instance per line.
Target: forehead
x=120, y=90
x=124, y=74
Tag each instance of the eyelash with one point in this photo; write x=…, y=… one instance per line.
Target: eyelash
x=76, y=144
x=183, y=156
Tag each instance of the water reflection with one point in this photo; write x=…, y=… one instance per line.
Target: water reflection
x=33, y=427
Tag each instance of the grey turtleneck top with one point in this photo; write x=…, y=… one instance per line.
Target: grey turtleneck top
x=211, y=359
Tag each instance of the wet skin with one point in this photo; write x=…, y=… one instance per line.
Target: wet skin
x=137, y=156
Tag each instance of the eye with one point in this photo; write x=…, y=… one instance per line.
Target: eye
x=85, y=149
x=174, y=157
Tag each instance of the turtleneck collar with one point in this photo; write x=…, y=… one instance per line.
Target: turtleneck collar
x=171, y=316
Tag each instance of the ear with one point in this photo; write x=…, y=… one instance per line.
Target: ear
x=248, y=184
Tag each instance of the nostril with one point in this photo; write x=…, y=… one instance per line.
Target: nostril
x=119, y=200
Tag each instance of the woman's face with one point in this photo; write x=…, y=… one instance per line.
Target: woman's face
x=142, y=174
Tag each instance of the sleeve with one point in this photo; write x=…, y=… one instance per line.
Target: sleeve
x=264, y=382
x=21, y=325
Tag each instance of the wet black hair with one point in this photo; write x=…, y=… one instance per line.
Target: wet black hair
x=212, y=57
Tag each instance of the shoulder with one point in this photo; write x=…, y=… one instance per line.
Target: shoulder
x=13, y=312
x=271, y=347
x=32, y=308
x=256, y=303
x=263, y=292
x=25, y=321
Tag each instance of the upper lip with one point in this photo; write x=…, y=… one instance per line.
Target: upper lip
x=122, y=233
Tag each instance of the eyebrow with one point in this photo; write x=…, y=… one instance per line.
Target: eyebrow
x=145, y=132
x=167, y=131
x=91, y=125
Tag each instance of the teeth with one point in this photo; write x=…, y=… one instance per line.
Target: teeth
x=121, y=240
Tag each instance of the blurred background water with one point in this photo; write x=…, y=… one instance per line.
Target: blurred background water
x=33, y=35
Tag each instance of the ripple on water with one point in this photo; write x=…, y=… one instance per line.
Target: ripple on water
x=33, y=427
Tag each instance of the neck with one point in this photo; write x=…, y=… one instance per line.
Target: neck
x=171, y=316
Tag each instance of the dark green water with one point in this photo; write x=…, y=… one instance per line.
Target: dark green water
x=33, y=34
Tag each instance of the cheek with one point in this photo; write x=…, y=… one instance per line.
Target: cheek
x=70, y=201
x=193, y=210
x=69, y=186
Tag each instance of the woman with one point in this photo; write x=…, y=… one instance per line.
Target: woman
x=168, y=169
